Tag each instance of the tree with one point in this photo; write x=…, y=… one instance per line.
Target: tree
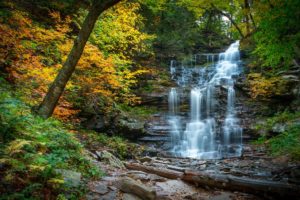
x=49, y=102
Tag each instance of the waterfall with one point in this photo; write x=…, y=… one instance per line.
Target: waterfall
x=173, y=101
x=174, y=120
x=196, y=102
x=205, y=135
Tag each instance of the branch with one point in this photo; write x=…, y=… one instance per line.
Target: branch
x=230, y=19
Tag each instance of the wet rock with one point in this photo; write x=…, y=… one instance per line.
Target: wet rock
x=129, y=185
x=71, y=178
x=110, y=159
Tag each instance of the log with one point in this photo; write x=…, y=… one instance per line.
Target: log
x=243, y=184
x=167, y=173
x=227, y=182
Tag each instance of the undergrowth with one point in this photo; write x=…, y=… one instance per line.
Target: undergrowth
x=138, y=111
x=119, y=146
x=286, y=143
x=32, y=148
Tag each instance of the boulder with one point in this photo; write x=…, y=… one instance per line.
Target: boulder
x=71, y=178
x=129, y=127
x=279, y=128
x=129, y=185
x=110, y=159
x=95, y=122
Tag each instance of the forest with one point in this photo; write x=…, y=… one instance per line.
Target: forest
x=149, y=99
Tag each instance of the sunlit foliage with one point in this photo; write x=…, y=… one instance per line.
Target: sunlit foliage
x=266, y=87
x=32, y=54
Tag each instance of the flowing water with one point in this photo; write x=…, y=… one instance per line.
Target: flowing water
x=212, y=128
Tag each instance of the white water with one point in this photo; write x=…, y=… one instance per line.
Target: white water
x=205, y=135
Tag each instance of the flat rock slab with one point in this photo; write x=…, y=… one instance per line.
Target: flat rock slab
x=176, y=186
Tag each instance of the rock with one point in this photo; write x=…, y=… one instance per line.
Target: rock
x=129, y=127
x=109, y=196
x=156, y=178
x=129, y=185
x=193, y=196
x=110, y=159
x=99, y=187
x=177, y=186
x=279, y=128
x=92, y=196
x=128, y=196
x=295, y=175
x=139, y=176
x=95, y=122
x=291, y=78
x=71, y=178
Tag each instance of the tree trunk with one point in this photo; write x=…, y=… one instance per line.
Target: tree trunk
x=247, y=10
x=232, y=22
x=46, y=108
x=167, y=173
x=244, y=184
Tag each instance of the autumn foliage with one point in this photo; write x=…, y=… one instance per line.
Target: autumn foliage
x=33, y=53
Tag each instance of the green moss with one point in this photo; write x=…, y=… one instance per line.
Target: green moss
x=285, y=117
x=137, y=111
x=286, y=143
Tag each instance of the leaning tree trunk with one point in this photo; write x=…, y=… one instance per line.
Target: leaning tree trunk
x=46, y=108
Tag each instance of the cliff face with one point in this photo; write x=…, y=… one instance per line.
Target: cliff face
x=251, y=111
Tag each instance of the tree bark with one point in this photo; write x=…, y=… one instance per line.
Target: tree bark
x=49, y=102
x=232, y=22
x=247, y=9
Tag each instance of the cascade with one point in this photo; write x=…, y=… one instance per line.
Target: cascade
x=174, y=120
x=205, y=135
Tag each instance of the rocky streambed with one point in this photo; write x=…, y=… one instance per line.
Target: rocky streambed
x=173, y=178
